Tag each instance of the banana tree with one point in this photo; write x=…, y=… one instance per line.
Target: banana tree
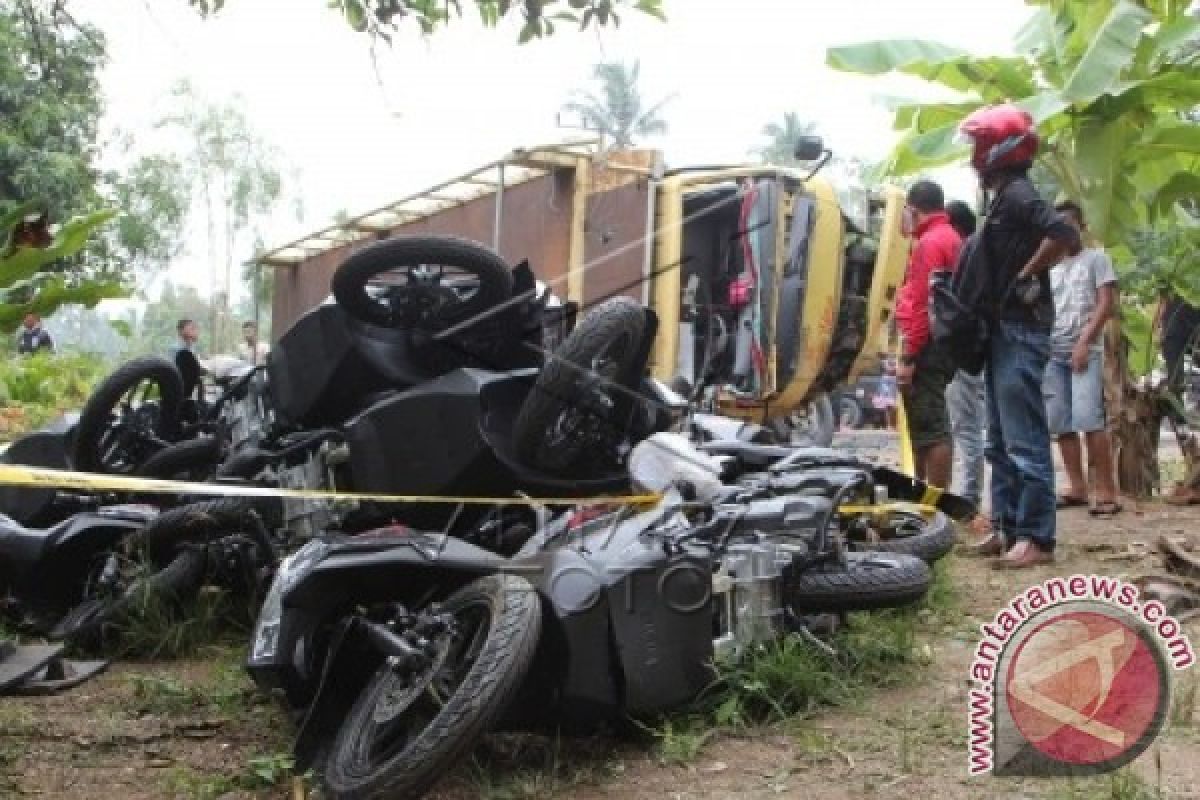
x=36, y=273
x=1109, y=83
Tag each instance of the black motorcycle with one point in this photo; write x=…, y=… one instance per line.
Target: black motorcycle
x=398, y=649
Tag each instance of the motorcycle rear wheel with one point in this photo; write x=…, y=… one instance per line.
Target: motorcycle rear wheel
x=911, y=534
x=416, y=297
x=381, y=751
x=562, y=424
x=866, y=581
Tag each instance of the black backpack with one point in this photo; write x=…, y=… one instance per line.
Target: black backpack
x=960, y=307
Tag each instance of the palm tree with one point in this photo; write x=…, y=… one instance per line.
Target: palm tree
x=617, y=112
x=783, y=139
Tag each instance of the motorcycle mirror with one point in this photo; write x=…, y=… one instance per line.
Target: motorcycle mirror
x=809, y=148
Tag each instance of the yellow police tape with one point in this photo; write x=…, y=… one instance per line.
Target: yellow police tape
x=45, y=478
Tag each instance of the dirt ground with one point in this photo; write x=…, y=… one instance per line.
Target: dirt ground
x=195, y=729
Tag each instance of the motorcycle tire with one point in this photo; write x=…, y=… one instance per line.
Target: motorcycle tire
x=866, y=581
x=538, y=439
x=96, y=416
x=86, y=623
x=936, y=539
x=180, y=529
x=356, y=771
x=194, y=459
x=350, y=281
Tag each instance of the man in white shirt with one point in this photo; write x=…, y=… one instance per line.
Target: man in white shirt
x=1085, y=294
x=251, y=350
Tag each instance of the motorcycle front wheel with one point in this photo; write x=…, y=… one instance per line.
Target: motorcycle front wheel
x=406, y=731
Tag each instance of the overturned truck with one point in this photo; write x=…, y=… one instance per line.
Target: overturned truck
x=769, y=293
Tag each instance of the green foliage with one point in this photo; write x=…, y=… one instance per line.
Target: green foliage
x=47, y=379
x=38, y=388
x=154, y=198
x=158, y=628
x=41, y=279
x=50, y=103
x=618, y=112
x=227, y=691
x=382, y=18
x=1106, y=81
x=261, y=772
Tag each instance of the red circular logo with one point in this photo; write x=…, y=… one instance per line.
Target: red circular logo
x=1087, y=688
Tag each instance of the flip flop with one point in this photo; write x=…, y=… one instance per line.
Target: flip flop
x=1106, y=509
x=1066, y=501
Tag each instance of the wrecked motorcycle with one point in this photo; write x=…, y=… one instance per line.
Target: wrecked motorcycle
x=398, y=649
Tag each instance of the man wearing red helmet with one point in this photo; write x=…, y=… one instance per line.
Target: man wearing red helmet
x=1023, y=237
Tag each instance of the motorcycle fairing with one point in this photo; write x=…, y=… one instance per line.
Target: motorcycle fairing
x=44, y=448
x=318, y=372
x=628, y=627
x=47, y=565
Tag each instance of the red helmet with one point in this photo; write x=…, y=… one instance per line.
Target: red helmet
x=1000, y=136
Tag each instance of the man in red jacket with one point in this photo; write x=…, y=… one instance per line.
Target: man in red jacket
x=925, y=370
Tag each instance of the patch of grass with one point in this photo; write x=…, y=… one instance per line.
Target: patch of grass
x=9, y=753
x=160, y=627
x=261, y=772
x=16, y=720
x=943, y=599
x=521, y=767
x=1121, y=785
x=680, y=739
x=227, y=691
x=790, y=679
x=793, y=677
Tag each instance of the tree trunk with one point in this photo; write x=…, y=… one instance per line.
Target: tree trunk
x=1136, y=416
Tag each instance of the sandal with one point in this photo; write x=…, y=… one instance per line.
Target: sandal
x=1108, y=508
x=1067, y=501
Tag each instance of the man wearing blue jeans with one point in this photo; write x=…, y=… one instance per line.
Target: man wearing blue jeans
x=1084, y=298
x=1022, y=238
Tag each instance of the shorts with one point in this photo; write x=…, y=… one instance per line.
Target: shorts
x=1074, y=400
x=925, y=400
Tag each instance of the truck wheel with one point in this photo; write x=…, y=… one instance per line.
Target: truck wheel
x=565, y=419
x=813, y=427
x=864, y=582
x=421, y=282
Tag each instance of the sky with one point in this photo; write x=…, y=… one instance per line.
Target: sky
x=357, y=132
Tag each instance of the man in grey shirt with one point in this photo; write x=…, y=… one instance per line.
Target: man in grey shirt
x=1085, y=291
